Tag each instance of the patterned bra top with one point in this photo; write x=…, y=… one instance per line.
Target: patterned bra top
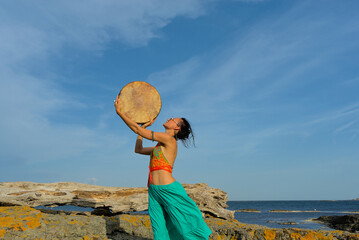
x=158, y=162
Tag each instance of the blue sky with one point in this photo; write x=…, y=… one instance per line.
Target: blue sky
x=270, y=87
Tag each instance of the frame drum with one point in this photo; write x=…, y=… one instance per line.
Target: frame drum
x=140, y=101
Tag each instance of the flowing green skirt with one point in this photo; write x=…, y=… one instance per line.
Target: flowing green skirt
x=174, y=215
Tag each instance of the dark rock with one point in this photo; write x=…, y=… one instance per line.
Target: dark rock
x=103, y=211
x=348, y=223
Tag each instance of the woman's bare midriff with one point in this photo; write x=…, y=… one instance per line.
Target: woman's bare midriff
x=161, y=177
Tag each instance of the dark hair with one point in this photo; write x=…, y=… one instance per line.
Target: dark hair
x=185, y=134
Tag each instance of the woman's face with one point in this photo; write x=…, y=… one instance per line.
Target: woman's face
x=173, y=123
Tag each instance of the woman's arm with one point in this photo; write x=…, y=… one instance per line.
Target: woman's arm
x=140, y=149
x=154, y=136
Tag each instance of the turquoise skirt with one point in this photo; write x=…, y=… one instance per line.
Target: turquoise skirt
x=174, y=215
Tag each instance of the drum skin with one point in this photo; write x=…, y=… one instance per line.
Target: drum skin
x=140, y=101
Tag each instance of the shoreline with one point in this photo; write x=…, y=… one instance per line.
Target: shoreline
x=23, y=222
x=111, y=216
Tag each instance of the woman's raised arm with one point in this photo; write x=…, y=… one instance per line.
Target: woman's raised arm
x=150, y=135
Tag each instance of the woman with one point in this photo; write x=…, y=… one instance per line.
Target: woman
x=173, y=214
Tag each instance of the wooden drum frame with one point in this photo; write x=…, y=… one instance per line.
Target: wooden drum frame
x=140, y=101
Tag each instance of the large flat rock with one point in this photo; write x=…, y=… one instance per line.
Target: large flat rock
x=22, y=222
x=211, y=201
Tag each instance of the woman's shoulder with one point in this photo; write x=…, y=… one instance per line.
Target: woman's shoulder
x=171, y=142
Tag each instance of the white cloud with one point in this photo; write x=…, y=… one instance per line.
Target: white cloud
x=344, y=127
x=348, y=112
x=91, y=24
x=31, y=34
x=265, y=82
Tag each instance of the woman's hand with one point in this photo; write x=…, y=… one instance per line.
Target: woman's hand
x=147, y=124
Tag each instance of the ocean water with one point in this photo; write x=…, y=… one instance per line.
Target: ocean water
x=67, y=208
x=301, y=215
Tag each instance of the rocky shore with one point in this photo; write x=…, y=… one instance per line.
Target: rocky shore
x=23, y=222
x=20, y=220
x=348, y=223
x=211, y=201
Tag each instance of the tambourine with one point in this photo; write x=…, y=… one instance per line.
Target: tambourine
x=140, y=101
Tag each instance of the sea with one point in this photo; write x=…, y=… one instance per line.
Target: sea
x=291, y=214
x=276, y=214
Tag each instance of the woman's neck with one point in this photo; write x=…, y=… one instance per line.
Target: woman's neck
x=170, y=132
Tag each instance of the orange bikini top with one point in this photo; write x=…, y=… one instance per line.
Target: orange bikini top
x=158, y=162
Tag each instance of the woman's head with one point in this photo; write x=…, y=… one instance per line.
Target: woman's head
x=182, y=130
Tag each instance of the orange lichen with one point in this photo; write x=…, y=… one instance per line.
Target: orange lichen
x=314, y=235
x=94, y=237
x=130, y=219
x=220, y=223
x=33, y=222
x=2, y=232
x=295, y=236
x=73, y=221
x=240, y=224
x=354, y=236
x=147, y=223
x=25, y=218
x=338, y=231
x=269, y=234
x=251, y=233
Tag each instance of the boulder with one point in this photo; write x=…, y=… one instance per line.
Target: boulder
x=211, y=201
x=348, y=223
